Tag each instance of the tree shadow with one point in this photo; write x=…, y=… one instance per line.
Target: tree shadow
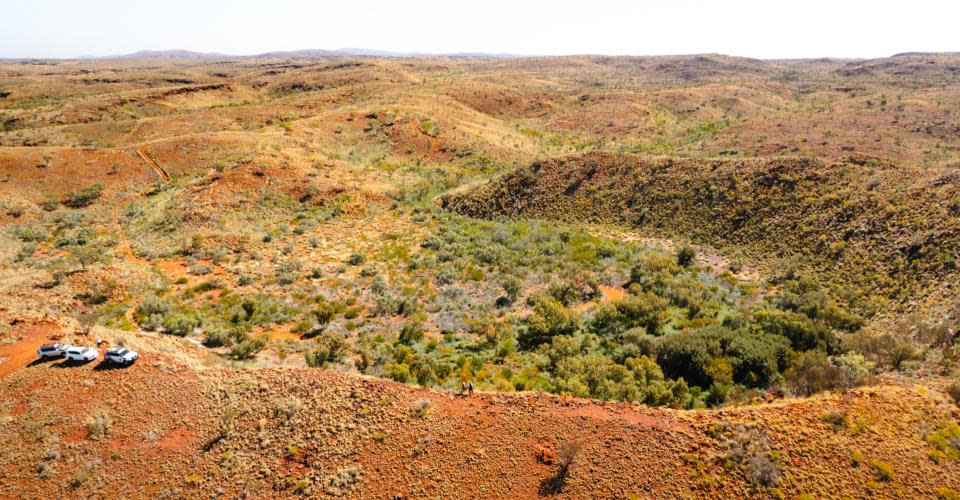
x=553, y=485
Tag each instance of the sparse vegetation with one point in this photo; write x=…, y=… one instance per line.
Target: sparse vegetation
x=84, y=197
x=749, y=448
x=682, y=232
x=99, y=424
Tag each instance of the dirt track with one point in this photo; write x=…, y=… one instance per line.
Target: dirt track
x=16, y=355
x=152, y=163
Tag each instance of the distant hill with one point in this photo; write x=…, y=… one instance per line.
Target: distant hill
x=170, y=55
x=185, y=55
x=312, y=53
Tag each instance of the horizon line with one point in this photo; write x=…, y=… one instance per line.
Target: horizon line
x=363, y=52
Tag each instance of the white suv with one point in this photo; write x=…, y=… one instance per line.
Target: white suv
x=121, y=355
x=79, y=353
x=51, y=350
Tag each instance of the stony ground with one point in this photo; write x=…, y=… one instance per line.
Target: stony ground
x=179, y=430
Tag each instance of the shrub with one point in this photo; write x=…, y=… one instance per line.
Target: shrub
x=549, y=319
x=85, y=472
x=646, y=310
x=217, y=337
x=99, y=424
x=946, y=440
x=886, y=350
x=703, y=355
x=954, y=392
x=567, y=453
x=84, y=197
x=88, y=255
x=399, y=372
x=750, y=449
x=50, y=204
x=411, y=332
x=812, y=373
x=29, y=234
x=854, y=369
x=446, y=275
x=424, y=369
x=422, y=408
x=512, y=287
x=356, y=259
x=248, y=348
x=883, y=470
x=835, y=418
x=685, y=256
x=150, y=312
x=180, y=324
x=804, y=334
x=321, y=316
x=575, y=290
x=330, y=349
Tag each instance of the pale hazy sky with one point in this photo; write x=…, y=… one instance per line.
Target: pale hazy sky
x=764, y=29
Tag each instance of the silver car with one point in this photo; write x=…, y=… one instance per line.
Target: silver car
x=52, y=350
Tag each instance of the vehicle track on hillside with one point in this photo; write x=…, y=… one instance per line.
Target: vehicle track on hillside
x=152, y=163
x=126, y=249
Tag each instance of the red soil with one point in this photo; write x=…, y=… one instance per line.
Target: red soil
x=14, y=356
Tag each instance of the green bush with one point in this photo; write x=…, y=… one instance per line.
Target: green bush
x=886, y=350
x=151, y=311
x=685, y=256
x=424, y=369
x=181, y=324
x=331, y=348
x=218, y=337
x=804, y=334
x=549, y=319
x=954, y=392
x=854, y=369
x=715, y=354
x=411, y=332
x=84, y=197
x=883, y=470
x=318, y=319
x=248, y=348
x=645, y=311
x=356, y=259
x=813, y=372
x=399, y=372
x=946, y=439
x=512, y=287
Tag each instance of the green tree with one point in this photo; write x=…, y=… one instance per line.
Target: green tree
x=549, y=319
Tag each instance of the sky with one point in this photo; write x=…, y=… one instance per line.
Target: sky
x=762, y=29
